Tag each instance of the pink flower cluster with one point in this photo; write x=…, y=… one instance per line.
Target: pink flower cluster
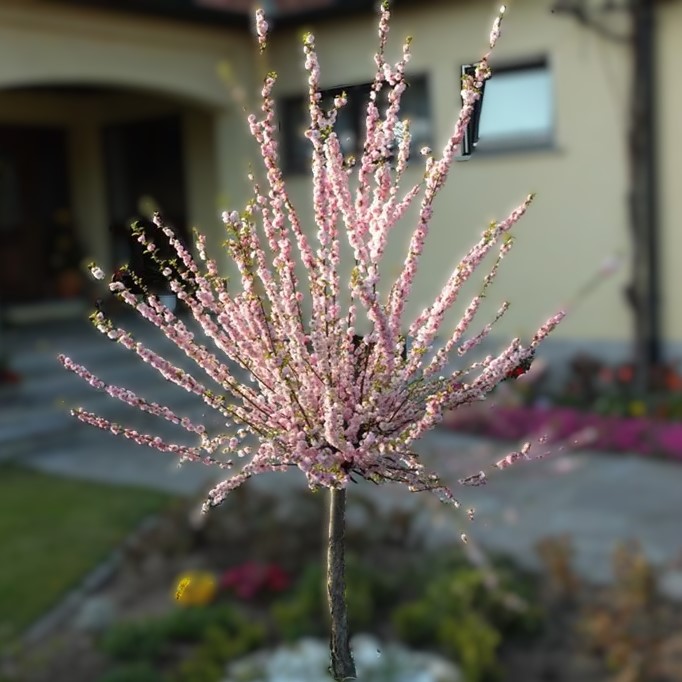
x=319, y=396
x=642, y=435
x=250, y=579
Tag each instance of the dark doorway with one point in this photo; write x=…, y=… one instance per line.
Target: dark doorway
x=144, y=164
x=38, y=243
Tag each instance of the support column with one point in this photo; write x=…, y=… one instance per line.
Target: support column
x=201, y=183
x=88, y=189
x=235, y=155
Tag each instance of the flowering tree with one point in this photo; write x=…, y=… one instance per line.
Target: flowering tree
x=319, y=396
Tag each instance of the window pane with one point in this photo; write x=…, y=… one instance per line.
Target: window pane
x=416, y=108
x=294, y=122
x=517, y=103
x=350, y=122
x=347, y=127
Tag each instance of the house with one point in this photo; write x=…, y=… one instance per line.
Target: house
x=109, y=108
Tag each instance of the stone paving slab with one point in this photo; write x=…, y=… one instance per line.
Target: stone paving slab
x=105, y=458
x=598, y=500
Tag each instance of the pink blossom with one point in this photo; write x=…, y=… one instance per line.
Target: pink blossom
x=261, y=29
x=495, y=31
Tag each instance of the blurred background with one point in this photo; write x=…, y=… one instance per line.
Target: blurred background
x=113, y=109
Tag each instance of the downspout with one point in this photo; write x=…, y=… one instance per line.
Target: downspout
x=644, y=291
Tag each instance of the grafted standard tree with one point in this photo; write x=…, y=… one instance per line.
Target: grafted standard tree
x=319, y=396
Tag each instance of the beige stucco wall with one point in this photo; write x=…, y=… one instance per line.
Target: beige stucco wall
x=670, y=163
x=579, y=215
x=44, y=43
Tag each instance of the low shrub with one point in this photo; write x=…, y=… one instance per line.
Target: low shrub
x=138, y=641
x=219, y=647
x=133, y=672
x=465, y=617
x=302, y=611
x=190, y=624
x=219, y=632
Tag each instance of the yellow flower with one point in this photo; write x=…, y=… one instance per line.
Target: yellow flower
x=196, y=588
x=638, y=408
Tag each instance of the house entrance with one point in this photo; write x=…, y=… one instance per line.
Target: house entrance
x=145, y=172
x=39, y=252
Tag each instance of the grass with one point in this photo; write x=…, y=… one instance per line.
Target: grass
x=52, y=532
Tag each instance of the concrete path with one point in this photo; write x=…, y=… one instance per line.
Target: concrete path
x=597, y=499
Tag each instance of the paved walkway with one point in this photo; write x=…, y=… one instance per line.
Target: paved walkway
x=597, y=499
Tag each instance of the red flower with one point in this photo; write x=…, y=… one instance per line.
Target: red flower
x=625, y=374
x=673, y=381
x=250, y=579
x=277, y=579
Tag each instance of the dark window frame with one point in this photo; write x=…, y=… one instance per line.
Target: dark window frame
x=296, y=150
x=518, y=142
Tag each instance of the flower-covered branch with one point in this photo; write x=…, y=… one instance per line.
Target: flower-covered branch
x=318, y=396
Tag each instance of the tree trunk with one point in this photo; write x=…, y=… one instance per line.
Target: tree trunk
x=343, y=667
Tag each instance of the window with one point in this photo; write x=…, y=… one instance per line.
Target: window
x=350, y=124
x=518, y=108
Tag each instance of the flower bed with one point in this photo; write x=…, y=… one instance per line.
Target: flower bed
x=246, y=592
x=640, y=435
x=214, y=601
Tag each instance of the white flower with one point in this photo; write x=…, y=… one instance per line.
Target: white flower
x=96, y=272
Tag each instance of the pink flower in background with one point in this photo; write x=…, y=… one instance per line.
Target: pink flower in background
x=669, y=439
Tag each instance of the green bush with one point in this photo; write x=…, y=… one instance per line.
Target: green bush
x=459, y=632
x=190, y=624
x=294, y=619
x=415, y=623
x=465, y=617
x=138, y=641
x=148, y=639
x=303, y=611
x=220, y=632
x=473, y=642
x=368, y=590
x=134, y=672
x=219, y=647
x=207, y=663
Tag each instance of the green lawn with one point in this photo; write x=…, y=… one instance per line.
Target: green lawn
x=52, y=532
